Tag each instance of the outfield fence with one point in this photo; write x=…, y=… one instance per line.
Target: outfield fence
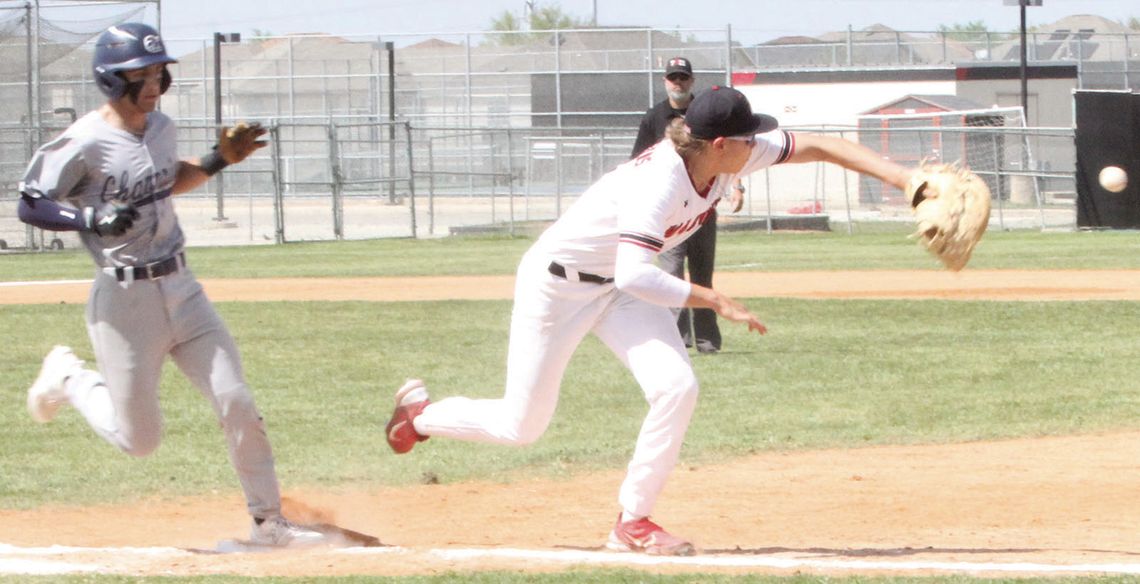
x=428, y=133
x=330, y=181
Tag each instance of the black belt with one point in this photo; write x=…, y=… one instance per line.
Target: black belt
x=559, y=270
x=151, y=271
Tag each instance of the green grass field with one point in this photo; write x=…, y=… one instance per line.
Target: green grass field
x=837, y=373
x=885, y=248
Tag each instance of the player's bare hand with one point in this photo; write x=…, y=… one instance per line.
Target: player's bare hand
x=727, y=308
x=730, y=309
x=237, y=143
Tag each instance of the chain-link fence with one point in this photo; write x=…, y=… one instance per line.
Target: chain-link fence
x=424, y=134
x=1105, y=59
x=355, y=181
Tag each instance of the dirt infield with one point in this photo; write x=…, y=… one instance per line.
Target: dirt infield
x=968, y=285
x=1056, y=505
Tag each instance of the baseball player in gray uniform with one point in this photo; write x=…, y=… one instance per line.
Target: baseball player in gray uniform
x=110, y=177
x=593, y=271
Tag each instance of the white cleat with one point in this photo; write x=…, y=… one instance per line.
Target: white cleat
x=280, y=532
x=47, y=394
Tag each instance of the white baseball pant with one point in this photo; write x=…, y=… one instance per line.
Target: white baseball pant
x=551, y=317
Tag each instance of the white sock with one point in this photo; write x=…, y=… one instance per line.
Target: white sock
x=418, y=394
x=626, y=517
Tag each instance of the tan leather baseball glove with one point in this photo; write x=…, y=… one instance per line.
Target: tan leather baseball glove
x=951, y=208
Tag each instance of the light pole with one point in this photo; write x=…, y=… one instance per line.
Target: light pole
x=1024, y=54
x=219, y=38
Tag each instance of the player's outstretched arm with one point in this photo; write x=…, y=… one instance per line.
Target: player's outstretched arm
x=190, y=175
x=849, y=155
x=727, y=308
x=234, y=145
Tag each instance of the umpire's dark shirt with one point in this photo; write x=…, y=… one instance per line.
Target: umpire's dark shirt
x=654, y=124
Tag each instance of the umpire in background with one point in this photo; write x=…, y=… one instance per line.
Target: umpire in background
x=700, y=249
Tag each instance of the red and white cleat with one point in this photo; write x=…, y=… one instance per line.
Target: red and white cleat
x=411, y=399
x=645, y=536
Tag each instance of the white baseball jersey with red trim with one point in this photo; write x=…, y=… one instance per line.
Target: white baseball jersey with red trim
x=648, y=201
x=613, y=231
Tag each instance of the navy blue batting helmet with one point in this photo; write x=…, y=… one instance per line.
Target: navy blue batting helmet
x=123, y=47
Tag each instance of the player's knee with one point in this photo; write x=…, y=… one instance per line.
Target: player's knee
x=237, y=410
x=688, y=389
x=679, y=388
x=140, y=444
x=526, y=420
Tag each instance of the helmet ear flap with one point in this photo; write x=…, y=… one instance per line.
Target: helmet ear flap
x=110, y=83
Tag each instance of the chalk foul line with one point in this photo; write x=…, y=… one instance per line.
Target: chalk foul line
x=58, y=559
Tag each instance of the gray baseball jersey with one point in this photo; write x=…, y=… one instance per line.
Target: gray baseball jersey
x=92, y=162
x=145, y=303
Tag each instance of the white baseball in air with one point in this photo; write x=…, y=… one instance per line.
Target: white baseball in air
x=1113, y=179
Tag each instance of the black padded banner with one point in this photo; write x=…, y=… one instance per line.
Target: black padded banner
x=1107, y=134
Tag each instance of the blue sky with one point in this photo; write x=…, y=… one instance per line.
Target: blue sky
x=752, y=21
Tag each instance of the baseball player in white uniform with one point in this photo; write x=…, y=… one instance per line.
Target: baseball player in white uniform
x=110, y=177
x=593, y=271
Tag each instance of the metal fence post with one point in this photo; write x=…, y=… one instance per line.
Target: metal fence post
x=558, y=177
x=649, y=77
x=510, y=183
x=431, y=186
x=847, y=202
x=390, y=47
x=334, y=174
x=411, y=176
x=278, y=186
x=850, y=45
x=1127, y=60
x=1032, y=167
x=494, y=178
x=768, y=198
x=558, y=77
x=469, y=160
x=998, y=175
x=728, y=54
x=527, y=154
